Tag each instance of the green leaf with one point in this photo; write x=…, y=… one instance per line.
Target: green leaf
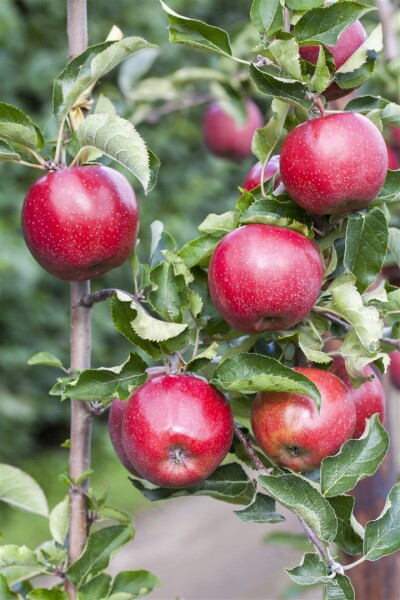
x=20, y=490
x=59, y=521
x=45, y=358
x=266, y=138
x=228, y=483
x=285, y=54
x=303, y=4
x=261, y=510
x=8, y=154
x=100, y=548
x=55, y=593
x=311, y=570
x=96, y=589
x=374, y=42
x=324, y=25
x=391, y=188
x=286, y=90
x=262, y=14
x=122, y=316
x=311, y=342
x=339, y=588
x=356, y=460
x=248, y=373
x=366, y=246
x=382, y=536
x=350, y=533
x=298, y=495
x=347, y=302
x=104, y=384
x=136, y=583
x=5, y=592
x=357, y=357
x=17, y=128
x=203, y=359
x=170, y=294
x=118, y=139
x=322, y=75
x=198, y=251
x=12, y=555
x=280, y=211
x=82, y=73
x=390, y=114
x=219, y=224
x=183, y=30
x=394, y=243
x=348, y=81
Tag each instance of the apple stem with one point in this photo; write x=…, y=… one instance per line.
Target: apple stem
x=354, y=564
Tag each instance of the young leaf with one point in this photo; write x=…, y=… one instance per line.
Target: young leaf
x=17, y=128
x=356, y=460
x=228, y=483
x=382, y=536
x=339, y=588
x=262, y=14
x=219, y=224
x=248, y=373
x=183, y=30
x=299, y=496
x=59, y=521
x=7, y=153
x=118, y=139
x=100, y=548
x=285, y=54
x=366, y=245
x=98, y=587
x=311, y=570
x=286, y=90
x=261, y=510
x=350, y=533
x=170, y=294
x=280, y=211
x=266, y=138
x=45, y=358
x=324, y=25
x=104, y=384
x=20, y=490
x=122, y=316
x=83, y=72
x=135, y=583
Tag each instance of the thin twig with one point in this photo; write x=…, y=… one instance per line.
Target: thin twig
x=97, y=296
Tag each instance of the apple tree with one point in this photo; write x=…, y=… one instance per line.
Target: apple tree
x=258, y=346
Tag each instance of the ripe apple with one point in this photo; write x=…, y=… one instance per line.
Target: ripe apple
x=393, y=159
x=334, y=164
x=226, y=137
x=253, y=177
x=289, y=428
x=80, y=222
x=394, y=369
x=348, y=42
x=116, y=413
x=368, y=399
x=176, y=430
x=264, y=277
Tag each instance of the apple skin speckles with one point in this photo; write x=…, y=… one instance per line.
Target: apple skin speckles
x=334, y=164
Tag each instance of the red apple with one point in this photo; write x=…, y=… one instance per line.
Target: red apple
x=226, y=137
x=394, y=369
x=348, y=42
x=393, y=159
x=289, y=428
x=176, y=430
x=395, y=135
x=391, y=273
x=253, y=177
x=264, y=277
x=116, y=413
x=334, y=164
x=80, y=222
x=368, y=399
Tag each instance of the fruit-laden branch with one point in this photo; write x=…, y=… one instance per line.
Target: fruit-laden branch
x=246, y=442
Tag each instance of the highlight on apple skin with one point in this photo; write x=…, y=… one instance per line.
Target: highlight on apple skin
x=227, y=138
x=80, y=222
x=289, y=428
x=176, y=430
x=334, y=164
x=263, y=277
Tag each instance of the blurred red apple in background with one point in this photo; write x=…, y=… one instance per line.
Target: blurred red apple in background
x=253, y=177
x=394, y=369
